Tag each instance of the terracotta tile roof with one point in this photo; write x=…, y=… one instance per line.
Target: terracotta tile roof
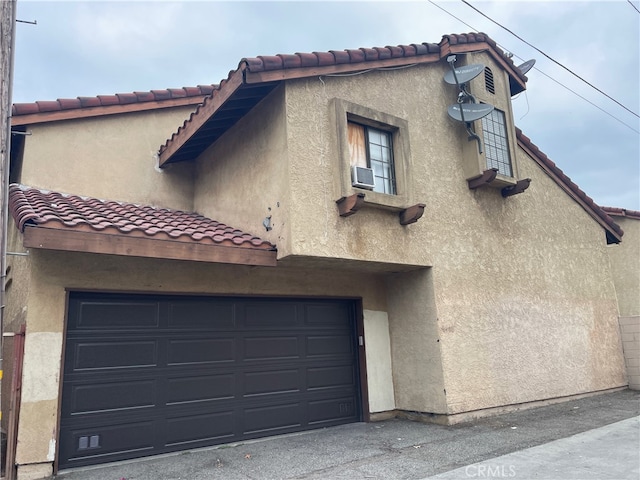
x=364, y=55
x=67, y=108
x=202, y=128
x=337, y=57
x=614, y=232
x=622, y=212
x=31, y=206
x=109, y=100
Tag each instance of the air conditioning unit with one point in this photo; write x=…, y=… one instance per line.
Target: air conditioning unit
x=362, y=177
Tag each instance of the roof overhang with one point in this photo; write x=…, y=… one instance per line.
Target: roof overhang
x=70, y=240
x=255, y=78
x=219, y=112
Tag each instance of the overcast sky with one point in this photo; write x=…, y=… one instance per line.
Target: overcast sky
x=88, y=48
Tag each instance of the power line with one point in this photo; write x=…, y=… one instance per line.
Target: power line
x=631, y=3
x=586, y=100
x=540, y=71
x=553, y=60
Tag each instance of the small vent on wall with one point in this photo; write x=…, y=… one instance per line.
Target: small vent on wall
x=488, y=80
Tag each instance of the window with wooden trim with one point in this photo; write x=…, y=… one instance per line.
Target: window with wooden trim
x=496, y=142
x=373, y=148
x=371, y=139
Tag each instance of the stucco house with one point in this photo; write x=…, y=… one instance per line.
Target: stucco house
x=314, y=241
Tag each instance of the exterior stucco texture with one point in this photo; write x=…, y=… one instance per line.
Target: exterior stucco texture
x=484, y=302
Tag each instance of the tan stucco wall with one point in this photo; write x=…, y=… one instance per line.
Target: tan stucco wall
x=55, y=272
x=418, y=375
x=625, y=265
x=525, y=303
x=244, y=177
x=111, y=157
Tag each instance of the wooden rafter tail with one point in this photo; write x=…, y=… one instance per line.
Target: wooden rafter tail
x=519, y=187
x=412, y=214
x=349, y=205
x=484, y=178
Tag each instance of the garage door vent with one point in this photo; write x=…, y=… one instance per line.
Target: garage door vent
x=88, y=441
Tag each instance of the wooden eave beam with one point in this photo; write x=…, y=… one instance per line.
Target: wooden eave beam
x=519, y=187
x=206, y=111
x=304, y=72
x=109, y=244
x=89, y=112
x=485, y=178
x=411, y=214
x=347, y=206
x=570, y=192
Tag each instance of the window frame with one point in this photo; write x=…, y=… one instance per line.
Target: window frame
x=488, y=146
x=398, y=129
x=388, y=183
x=475, y=163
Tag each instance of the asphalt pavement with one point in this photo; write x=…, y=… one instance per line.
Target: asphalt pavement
x=597, y=437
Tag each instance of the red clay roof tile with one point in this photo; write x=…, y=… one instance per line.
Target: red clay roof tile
x=622, y=212
x=31, y=206
x=323, y=58
x=69, y=103
x=108, y=100
x=84, y=101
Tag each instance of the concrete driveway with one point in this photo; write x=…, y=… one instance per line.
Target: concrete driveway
x=592, y=438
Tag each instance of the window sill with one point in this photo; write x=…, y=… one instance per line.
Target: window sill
x=394, y=203
x=407, y=215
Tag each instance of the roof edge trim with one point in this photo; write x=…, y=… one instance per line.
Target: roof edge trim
x=198, y=118
x=123, y=245
x=614, y=232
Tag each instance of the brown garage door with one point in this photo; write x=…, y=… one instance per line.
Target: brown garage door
x=146, y=374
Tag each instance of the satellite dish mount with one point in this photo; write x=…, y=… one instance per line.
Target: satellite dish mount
x=467, y=109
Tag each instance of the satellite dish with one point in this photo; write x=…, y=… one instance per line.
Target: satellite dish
x=464, y=74
x=526, y=66
x=471, y=111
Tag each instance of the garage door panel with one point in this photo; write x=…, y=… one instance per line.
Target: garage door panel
x=202, y=314
x=206, y=371
x=329, y=345
x=332, y=411
x=201, y=388
x=100, y=355
x=210, y=427
x=116, y=315
x=108, y=443
x=272, y=348
x=201, y=350
x=272, y=382
x=112, y=396
x=272, y=419
x=328, y=316
x=267, y=315
x=322, y=378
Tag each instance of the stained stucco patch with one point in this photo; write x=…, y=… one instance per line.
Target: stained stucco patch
x=379, y=376
x=43, y=351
